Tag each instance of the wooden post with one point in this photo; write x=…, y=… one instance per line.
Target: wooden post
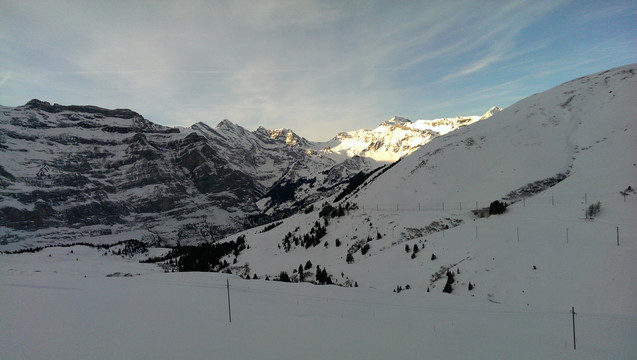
x=443, y=206
x=476, y=231
x=523, y=202
x=573, y=312
x=518, y=231
x=618, y=236
x=567, y=235
x=552, y=200
x=585, y=198
x=229, y=312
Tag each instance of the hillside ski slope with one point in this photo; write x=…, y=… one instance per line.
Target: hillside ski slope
x=549, y=156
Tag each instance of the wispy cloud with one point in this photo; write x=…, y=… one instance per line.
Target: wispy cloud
x=311, y=66
x=5, y=78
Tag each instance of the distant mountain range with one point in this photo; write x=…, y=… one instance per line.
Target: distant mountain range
x=71, y=172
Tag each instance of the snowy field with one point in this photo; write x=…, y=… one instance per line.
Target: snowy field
x=61, y=303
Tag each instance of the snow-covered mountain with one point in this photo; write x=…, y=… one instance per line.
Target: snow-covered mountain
x=398, y=137
x=549, y=157
x=74, y=171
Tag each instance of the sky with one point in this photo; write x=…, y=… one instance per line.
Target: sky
x=316, y=67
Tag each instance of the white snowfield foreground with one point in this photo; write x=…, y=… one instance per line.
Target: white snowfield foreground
x=65, y=306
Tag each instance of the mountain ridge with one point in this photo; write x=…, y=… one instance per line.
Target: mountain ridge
x=62, y=166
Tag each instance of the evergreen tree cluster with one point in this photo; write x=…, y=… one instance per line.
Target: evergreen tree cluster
x=207, y=256
x=135, y=247
x=313, y=238
x=334, y=212
x=322, y=277
x=284, y=277
x=399, y=288
x=353, y=183
x=271, y=226
x=132, y=247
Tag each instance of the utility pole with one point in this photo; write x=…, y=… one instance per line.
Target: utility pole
x=573, y=312
x=229, y=312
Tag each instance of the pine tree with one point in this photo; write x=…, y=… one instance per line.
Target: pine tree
x=449, y=285
x=283, y=276
x=326, y=279
x=497, y=207
x=365, y=249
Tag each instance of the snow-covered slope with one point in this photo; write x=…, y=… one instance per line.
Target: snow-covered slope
x=398, y=137
x=550, y=156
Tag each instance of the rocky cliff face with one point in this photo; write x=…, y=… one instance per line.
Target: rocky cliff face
x=68, y=173
x=71, y=172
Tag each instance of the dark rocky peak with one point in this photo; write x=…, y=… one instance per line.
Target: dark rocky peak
x=286, y=136
x=202, y=126
x=89, y=109
x=399, y=120
x=227, y=125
